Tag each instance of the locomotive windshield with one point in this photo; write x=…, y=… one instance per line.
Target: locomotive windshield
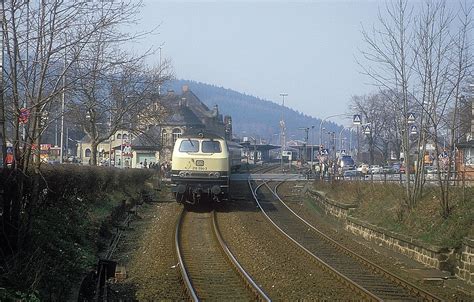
x=189, y=146
x=211, y=147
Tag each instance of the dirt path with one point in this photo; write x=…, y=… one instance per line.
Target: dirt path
x=146, y=252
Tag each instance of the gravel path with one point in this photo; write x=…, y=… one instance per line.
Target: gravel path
x=148, y=255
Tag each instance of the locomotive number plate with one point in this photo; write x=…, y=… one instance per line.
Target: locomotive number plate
x=199, y=163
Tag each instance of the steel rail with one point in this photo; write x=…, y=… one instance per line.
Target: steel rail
x=259, y=293
x=264, y=169
x=184, y=273
x=189, y=287
x=404, y=283
x=362, y=291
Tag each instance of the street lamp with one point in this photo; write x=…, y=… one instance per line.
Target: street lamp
x=312, y=146
x=321, y=127
x=340, y=137
x=160, y=70
x=282, y=126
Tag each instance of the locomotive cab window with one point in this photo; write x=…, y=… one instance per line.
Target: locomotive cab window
x=211, y=147
x=189, y=146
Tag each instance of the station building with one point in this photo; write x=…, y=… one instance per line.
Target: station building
x=154, y=141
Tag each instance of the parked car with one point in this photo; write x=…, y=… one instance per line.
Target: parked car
x=352, y=173
x=364, y=168
x=396, y=167
x=403, y=168
x=346, y=162
x=376, y=169
x=431, y=173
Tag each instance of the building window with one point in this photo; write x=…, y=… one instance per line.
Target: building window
x=119, y=136
x=88, y=152
x=125, y=136
x=176, y=134
x=164, y=137
x=469, y=156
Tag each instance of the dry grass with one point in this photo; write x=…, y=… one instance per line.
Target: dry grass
x=383, y=205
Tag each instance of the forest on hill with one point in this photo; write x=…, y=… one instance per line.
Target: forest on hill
x=255, y=117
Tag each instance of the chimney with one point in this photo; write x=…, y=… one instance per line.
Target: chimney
x=185, y=88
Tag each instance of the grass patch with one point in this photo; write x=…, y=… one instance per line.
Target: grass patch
x=383, y=205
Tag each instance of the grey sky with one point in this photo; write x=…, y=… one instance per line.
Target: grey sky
x=304, y=48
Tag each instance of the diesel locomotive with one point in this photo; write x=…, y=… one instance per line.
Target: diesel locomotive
x=201, y=166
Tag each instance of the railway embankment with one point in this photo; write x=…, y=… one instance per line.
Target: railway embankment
x=420, y=234
x=62, y=236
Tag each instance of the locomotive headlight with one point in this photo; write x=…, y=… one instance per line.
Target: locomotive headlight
x=214, y=175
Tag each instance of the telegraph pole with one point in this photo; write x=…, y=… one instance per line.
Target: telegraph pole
x=306, y=129
x=282, y=125
x=3, y=140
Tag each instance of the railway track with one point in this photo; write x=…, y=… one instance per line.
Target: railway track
x=264, y=168
x=361, y=275
x=208, y=269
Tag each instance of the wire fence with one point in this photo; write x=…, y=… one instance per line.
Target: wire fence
x=458, y=178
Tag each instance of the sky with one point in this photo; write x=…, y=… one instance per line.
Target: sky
x=307, y=49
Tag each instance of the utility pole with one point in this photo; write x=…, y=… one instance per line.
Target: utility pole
x=312, y=146
x=306, y=129
x=160, y=71
x=3, y=139
x=282, y=125
x=63, y=98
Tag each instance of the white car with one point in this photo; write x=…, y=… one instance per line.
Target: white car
x=364, y=168
x=376, y=169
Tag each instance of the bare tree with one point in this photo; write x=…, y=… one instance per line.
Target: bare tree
x=42, y=41
x=115, y=93
x=388, y=49
x=378, y=120
x=458, y=62
x=428, y=65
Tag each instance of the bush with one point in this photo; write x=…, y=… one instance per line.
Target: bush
x=63, y=228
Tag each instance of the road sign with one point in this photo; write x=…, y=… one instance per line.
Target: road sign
x=356, y=119
x=413, y=129
x=411, y=118
x=367, y=129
